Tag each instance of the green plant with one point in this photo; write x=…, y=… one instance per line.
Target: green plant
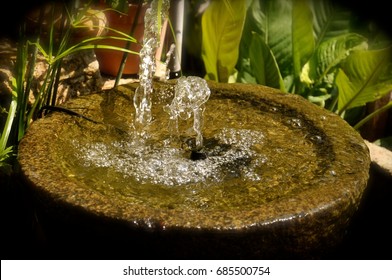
x=310, y=48
x=53, y=46
x=222, y=25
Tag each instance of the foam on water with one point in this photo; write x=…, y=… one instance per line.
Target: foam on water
x=229, y=155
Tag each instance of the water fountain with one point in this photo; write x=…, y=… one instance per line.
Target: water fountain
x=269, y=176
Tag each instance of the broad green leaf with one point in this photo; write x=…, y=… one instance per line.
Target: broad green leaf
x=251, y=24
x=332, y=52
x=302, y=35
x=277, y=32
x=263, y=64
x=271, y=19
x=329, y=20
x=364, y=77
x=222, y=25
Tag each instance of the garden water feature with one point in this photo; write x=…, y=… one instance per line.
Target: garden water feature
x=269, y=175
x=278, y=176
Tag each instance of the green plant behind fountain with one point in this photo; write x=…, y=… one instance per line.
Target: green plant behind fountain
x=310, y=48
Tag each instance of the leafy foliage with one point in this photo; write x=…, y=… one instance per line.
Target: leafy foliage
x=224, y=21
x=365, y=75
x=310, y=48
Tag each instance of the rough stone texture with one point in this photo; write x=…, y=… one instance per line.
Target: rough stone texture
x=307, y=225
x=7, y=62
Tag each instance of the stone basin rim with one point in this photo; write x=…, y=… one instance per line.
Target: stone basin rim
x=296, y=209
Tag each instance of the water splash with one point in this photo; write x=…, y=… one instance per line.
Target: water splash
x=191, y=93
x=230, y=155
x=142, y=97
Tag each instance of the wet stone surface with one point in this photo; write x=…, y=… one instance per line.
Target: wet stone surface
x=273, y=167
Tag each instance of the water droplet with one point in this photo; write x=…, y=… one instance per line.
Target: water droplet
x=316, y=138
x=295, y=123
x=273, y=109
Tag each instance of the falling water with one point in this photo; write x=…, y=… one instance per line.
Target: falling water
x=190, y=93
x=142, y=97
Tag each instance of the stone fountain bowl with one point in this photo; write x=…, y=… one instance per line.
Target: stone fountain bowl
x=308, y=221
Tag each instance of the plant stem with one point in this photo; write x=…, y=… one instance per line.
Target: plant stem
x=372, y=115
x=128, y=44
x=67, y=111
x=8, y=125
x=21, y=93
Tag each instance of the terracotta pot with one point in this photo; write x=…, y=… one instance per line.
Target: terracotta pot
x=110, y=60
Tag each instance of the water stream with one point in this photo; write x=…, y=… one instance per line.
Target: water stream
x=191, y=93
x=142, y=98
